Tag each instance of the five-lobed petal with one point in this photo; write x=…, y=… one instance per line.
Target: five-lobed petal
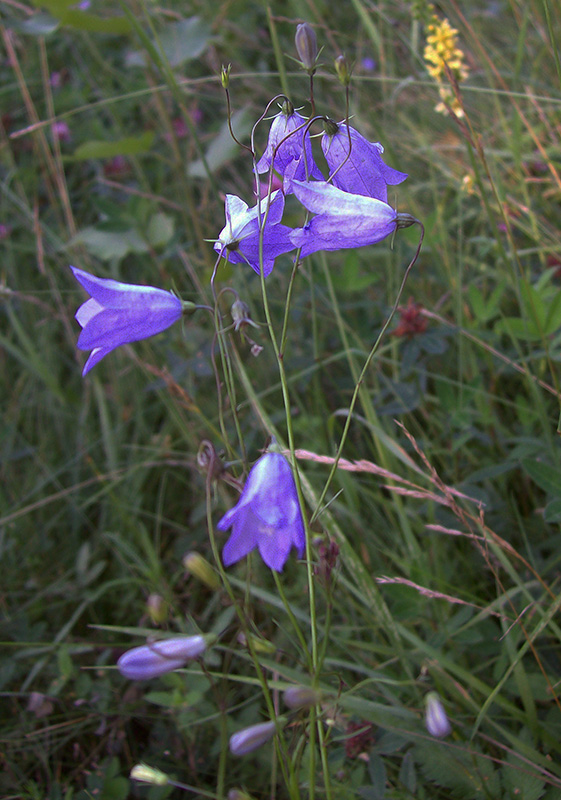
x=363, y=171
x=239, y=240
x=118, y=313
x=267, y=515
x=288, y=151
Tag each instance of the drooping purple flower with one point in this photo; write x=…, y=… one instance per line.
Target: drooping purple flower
x=364, y=171
x=292, y=156
x=342, y=220
x=436, y=721
x=152, y=660
x=118, y=313
x=267, y=515
x=239, y=239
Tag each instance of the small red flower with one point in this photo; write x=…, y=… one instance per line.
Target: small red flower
x=411, y=320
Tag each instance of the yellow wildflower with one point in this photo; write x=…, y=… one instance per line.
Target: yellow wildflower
x=441, y=56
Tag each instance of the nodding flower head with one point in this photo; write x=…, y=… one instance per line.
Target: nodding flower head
x=119, y=313
x=267, y=515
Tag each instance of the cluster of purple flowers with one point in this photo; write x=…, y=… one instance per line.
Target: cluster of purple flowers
x=347, y=209
x=350, y=208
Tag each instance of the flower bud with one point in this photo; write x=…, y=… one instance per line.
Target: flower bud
x=238, y=794
x=436, y=721
x=225, y=75
x=240, y=315
x=306, y=46
x=200, y=568
x=249, y=739
x=157, y=658
x=146, y=774
x=157, y=608
x=342, y=70
x=301, y=697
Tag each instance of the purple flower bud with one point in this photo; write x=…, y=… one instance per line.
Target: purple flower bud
x=152, y=660
x=267, y=515
x=118, y=313
x=249, y=739
x=436, y=720
x=306, y=46
x=297, y=697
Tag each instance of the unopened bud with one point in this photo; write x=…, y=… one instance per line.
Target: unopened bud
x=200, y=568
x=225, y=75
x=146, y=774
x=249, y=739
x=157, y=658
x=297, y=697
x=306, y=46
x=240, y=315
x=157, y=608
x=436, y=721
x=259, y=644
x=342, y=70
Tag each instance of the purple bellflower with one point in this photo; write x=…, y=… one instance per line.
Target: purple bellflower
x=342, y=220
x=119, y=313
x=364, y=171
x=267, y=515
x=291, y=156
x=239, y=239
x=152, y=660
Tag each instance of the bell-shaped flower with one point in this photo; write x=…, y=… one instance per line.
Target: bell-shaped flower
x=342, y=220
x=239, y=239
x=157, y=658
x=363, y=171
x=267, y=515
x=119, y=313
x=289, y=150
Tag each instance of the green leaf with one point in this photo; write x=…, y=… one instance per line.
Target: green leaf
x=407, y=773
x=184, y=40
x=41, y=24
x=377, y=772
x=552, y=511
x=79, y=20
x=130, y=145
x=178, y=42
x=223, y=148
x=547, y=477
x=160, y=229
x=108, y=245
x=520, y=781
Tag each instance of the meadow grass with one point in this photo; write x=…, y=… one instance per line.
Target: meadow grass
x=431, y=480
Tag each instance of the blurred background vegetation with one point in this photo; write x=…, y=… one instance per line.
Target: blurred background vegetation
x=115, y=156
